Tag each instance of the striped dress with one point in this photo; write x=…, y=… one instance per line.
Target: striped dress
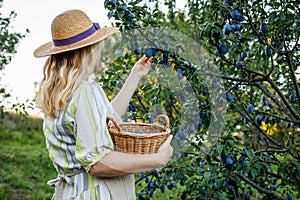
x=76, y=139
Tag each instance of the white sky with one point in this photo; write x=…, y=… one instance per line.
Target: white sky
x=37, y=15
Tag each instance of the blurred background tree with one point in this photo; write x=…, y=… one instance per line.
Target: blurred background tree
x=9, y=41
x=254, y=45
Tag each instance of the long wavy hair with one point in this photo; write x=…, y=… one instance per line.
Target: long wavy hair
x=63, y=73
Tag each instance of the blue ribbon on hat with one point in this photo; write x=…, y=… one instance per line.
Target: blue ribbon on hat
x=78, y=37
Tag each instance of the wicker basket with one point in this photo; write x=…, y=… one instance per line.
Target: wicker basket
x=138, y=138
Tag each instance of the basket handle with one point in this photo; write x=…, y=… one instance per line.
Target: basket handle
x=108, y=119
x=166, y=119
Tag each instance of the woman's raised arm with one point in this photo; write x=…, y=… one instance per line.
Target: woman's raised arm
x=140, y=69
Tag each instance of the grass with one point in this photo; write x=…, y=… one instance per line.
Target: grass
x=25, y=166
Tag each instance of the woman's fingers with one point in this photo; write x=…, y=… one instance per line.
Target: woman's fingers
x=142, y=66
x=165, y=151
x=145, y=59
x=167, y=142
x=169, y=139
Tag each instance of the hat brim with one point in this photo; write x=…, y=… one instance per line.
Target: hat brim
x=49, y=48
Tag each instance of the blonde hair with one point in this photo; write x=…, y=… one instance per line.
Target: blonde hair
x=63, y=73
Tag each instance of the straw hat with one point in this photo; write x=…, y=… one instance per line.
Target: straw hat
x=72, y=30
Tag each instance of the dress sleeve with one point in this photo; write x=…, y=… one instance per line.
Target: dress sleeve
x=110, y=109
x=92, y=137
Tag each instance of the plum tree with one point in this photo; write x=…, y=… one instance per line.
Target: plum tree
x=255, y=46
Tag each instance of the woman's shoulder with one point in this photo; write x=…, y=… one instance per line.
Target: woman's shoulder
x=89, y=89
x=87, y=86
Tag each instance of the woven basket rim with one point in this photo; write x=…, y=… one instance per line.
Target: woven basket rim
x=141, y=135
x=117, y=130
x=139, y=124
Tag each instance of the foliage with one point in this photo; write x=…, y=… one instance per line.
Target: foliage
x=9, y=41
x=250, y=58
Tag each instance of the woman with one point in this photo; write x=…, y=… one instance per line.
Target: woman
x=75, y=111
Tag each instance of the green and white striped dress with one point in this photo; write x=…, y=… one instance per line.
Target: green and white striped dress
x=76, y=139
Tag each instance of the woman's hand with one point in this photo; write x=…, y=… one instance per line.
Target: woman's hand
x=165, y=151
x=142, y=67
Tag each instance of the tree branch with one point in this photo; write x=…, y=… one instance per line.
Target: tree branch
x=285, y=101
x=226, y=77
x=140, y=101
x=259, y=129
x=293, y=76
x=254, y=185
x=276, y=116
x=273, y=150
x=277, y=102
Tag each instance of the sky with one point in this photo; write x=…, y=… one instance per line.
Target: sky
x=36, y=15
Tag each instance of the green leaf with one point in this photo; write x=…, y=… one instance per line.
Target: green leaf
x=253, y=171
x=282, y=16
x=220, y=149
x=272, y=18
x=208, y=28
x=109, y=71
x=257, y=166
x=207, y=175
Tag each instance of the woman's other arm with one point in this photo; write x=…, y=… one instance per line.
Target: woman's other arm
x=118, y=163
